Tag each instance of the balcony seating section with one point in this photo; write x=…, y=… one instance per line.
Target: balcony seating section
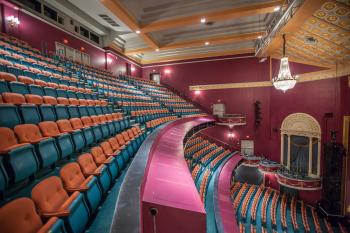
x=203, y=158
x=265, y=209
x=69, y=130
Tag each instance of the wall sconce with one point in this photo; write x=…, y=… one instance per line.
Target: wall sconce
x=197, y=92
x=167, y=71
x=13, y=21
x=132, y=69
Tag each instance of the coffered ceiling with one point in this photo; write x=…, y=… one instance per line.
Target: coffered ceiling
x=151, y=31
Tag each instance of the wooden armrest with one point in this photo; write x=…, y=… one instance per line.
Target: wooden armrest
x=60, y=213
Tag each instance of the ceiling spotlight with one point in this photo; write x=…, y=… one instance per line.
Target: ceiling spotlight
x=157, y=50
x=277, y=8
x=138, y=32
x=207, y=43
x=259, y=37
x=203, y=20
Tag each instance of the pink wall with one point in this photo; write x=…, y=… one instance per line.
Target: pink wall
x=37, y=32
x=314, y=98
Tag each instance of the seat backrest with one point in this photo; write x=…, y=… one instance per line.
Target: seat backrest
x=130, y=133
x=7, y=76
x=95, y=119
x=87, y=121
x=49, y=194
x=71, y=175
x=107, y=148
x=87, y=163
x=64, y=126
x=76, y=123
x=50, y=100
x=13, y=98
x=20, y=215
x=34, y=99
x=40, y=82
x=8, y=138
x=73, y=101
x=62, y=100
x=134, y=130
x=98, y=154
x=28, y=133
x=25, y=79
x=126, y=136
x=49, y=128
x=114, y=143
x=120, y=139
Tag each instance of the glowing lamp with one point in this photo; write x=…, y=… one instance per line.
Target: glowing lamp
x=13, y=21
x=132, y=69
x=197, y=92
x=231, y=135
x=109, y=61
x=167, y=71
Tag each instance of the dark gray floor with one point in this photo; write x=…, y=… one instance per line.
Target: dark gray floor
x=127, y=211
x=247, y=174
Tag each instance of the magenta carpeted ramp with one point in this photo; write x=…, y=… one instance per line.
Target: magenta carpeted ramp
x=168, y=188
x=226, y=221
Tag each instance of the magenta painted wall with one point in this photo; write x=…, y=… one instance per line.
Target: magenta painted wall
x=37, y=32
x=314, y=98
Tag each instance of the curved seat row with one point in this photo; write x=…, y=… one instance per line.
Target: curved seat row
x=32, y=109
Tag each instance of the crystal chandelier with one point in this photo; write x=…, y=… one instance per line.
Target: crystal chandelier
x=284, y=81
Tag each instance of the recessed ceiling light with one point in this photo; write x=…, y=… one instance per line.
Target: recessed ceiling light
x=203, y=20
x=207, y=43
x=277, y=8
x=259, y=37
x=138, y=31
x=157, y=50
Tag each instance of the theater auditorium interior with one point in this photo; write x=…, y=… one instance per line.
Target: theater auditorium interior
x=174, y=116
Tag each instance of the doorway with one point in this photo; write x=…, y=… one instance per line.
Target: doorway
x=155, y=77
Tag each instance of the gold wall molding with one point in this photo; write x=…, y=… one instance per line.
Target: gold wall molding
x=340, y=71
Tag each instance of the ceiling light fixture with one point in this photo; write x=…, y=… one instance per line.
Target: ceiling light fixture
x=277, y=8
x=207, y=43
x=13, y=20
x=138, y=31
x=203, y=20
x=259, y=37
x=157, y=50
x=284, y=81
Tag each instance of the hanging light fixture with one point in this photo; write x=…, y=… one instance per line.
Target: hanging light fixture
x=284, y=81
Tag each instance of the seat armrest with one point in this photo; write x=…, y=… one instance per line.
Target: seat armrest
x=10, y=148
x=81, y=188
x=60, y=213
x=52, y=223
x=109, y=160
x=88, y=181
x=70, y=200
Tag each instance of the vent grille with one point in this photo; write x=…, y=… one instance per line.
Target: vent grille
x=109, y=20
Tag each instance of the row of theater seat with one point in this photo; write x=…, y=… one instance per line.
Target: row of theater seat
x=32, y=109
x=29, y=147
x=68, y=202
x=25, y=85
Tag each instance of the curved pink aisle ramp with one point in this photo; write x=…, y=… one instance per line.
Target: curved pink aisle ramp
x=169, y=186
x=227, y=214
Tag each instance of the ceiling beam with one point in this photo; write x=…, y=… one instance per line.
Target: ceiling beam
x=306, y=10
x=217, y=40
x=200, y=55
x=121, y=13
x=237, y=12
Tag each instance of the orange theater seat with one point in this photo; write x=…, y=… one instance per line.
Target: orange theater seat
x=74, y=180
x=121, y=156
x=63, y=140
x=89, y=167
x=77, y=135
x=52, y=200
x=46, y=147
x=7, y=77
x=20, y=216
x=100, y=158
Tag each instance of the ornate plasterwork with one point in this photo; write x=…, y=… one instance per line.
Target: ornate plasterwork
x=301, y=124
